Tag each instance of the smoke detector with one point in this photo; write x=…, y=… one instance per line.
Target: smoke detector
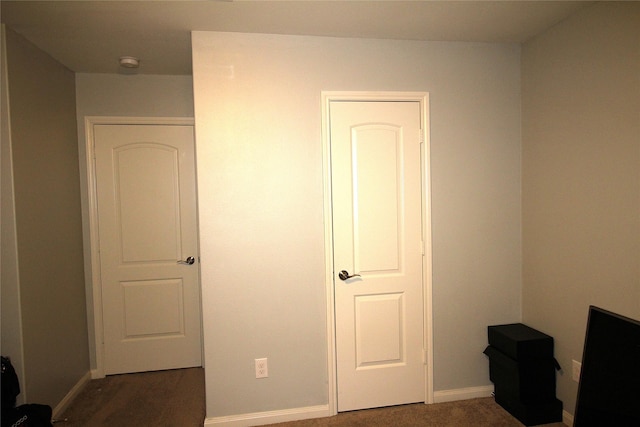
x=129, y=62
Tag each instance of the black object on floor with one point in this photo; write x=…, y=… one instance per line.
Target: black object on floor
x=30, y=415
x=523, y=370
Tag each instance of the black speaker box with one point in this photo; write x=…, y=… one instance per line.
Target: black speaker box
x=520, y=342
x=530, y=381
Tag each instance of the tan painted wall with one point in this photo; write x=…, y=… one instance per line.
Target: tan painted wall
x=48, y=222
x=581, y=176
x=11, y=335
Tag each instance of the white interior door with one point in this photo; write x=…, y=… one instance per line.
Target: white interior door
x=377, y=220
x=145, y=185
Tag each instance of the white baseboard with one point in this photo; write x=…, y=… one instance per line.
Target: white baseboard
x=269, y=417
x=295, y=414
x=462, y=394
x=96, y=374
x=75, y=390
x=567, y=418
x=485, y=391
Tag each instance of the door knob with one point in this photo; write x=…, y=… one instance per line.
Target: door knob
x=344, y=275
x=190, y=260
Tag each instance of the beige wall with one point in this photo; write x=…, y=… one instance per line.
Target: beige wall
x=126, y=96
x=48, y=222
x=581, y=176
x=259, y=161
x=11, y=336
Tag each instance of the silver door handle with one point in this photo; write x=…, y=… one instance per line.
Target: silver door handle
x=190, y=260
x=344, y=275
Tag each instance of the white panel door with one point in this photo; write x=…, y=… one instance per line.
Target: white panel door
x=377, y=220
x=145, y=182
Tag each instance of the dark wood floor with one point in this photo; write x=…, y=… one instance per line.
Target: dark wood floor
x=165, y=398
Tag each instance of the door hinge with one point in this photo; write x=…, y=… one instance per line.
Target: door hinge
x=421, y=136
x=424, y=356
x=422, y=246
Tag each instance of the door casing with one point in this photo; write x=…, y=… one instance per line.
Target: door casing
x=92, y=202
x=423, y=99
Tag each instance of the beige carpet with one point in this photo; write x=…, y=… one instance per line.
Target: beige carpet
x=176, y=399
x=159, y=399
x=464, y=413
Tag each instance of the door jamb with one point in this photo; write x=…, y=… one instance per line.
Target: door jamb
x=423, y=98
x=92, y=202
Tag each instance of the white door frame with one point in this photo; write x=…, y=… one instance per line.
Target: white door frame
x=92, y=201
x=423, y=99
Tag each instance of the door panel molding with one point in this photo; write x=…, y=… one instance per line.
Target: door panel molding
x=327, y=98
x=94, y=296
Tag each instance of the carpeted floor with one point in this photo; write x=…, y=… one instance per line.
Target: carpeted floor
x=176, y=399
x=160, y=399
x=463, y=413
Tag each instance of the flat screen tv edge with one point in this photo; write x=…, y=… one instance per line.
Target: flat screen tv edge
x=609, y=386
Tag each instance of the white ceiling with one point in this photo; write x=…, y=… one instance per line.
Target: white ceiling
x=90, y=36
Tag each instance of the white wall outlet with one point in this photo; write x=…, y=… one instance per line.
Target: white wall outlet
x=575, y=370
x=262, y=370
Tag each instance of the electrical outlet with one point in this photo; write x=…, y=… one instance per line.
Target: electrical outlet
x=575, y=370
x=262, y=369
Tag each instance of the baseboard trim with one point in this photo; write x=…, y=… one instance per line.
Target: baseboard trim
x=462, y=394
x=72, y=394
x=567, y=418
x=269, y=417
x=484, y=391
x=96, y=374
x=296, y=414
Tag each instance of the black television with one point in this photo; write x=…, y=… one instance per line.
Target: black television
x=609, y=386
